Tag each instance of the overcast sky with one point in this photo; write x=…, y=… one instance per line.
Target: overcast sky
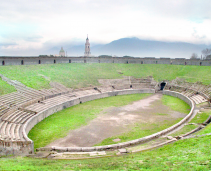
x=40, y=24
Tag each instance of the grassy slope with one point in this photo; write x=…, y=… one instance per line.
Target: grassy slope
x=207, y=129
x=5, y=88
x=190, y=154
x=198, y=119
x=58, y=125
x=176, y=104
x=78, y=75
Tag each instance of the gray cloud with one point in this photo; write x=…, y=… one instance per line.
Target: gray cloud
x=33, y=38
x=8, y=44
x=66, y=22
x=196, y=35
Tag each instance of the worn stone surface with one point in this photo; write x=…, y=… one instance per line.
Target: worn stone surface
x=123, y=150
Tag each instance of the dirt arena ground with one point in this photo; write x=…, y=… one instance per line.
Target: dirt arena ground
x=117, y=120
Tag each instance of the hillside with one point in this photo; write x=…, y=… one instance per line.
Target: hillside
x=186, y=154
x=134, y=47
x=148, y=48
x=77, y=75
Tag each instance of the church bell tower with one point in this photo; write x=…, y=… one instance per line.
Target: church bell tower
x=87, y=47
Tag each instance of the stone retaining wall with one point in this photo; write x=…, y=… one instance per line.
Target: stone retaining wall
x=8, y=147
x=53, y=60
x=136, y=141
x=33, y=121
x=27, y=147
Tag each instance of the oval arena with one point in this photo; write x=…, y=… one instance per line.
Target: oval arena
x=20, y=111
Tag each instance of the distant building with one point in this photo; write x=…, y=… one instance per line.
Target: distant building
x=62, y=52
x=87, y=47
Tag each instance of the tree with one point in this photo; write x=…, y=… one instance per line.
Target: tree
x=194, y=56
x=206, y=52
x=208, y=57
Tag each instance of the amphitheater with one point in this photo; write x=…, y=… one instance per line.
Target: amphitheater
x=20, y=111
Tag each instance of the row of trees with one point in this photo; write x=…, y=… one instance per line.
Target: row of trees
x=206, y=54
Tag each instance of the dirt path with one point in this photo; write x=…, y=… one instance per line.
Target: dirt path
x=117, y=120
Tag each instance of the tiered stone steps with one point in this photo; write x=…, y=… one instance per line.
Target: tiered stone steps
x=46, y=104
x=106, y=89
x=198, y=99
x=11, y=124
x=13, y=114
x=198, y=92
x=81, y=93
x=121, y=86
x=14, y=99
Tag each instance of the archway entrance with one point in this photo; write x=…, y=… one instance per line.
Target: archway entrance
x=162, y=85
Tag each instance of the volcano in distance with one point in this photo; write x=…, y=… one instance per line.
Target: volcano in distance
x=138, y=48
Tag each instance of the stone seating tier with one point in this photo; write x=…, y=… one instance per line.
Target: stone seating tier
x=11, y=131
x=121, y=86
x=142, y=85
x=3, y=109
x=14, y=99
x=45, y=104
x=16, y=116
x=85, y=92
x=106, y=89
x=198, y=99
x=13, y=116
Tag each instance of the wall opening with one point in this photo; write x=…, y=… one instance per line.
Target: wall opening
x=113, y=61
x=69, y=60
x=127, y=62
x=200, y=63
x=156, y=62
x=3, y=63
x=131, y=86
x=185, y=63
x=39, y=62
x=99, y=61
x=141, y=62
x=162, y=85
x=54, y=61
x=22, y=62
x=84, y=61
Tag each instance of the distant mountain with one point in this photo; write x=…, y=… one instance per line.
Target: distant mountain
x=137, y=48
x=148, y=48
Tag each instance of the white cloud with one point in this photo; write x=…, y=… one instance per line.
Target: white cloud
x=32, y=23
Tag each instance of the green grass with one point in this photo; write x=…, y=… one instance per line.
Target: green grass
x=78, y=75
x=198, y=119
x=185, y=155
x=176, y=104
x=144, y=129
x=5, y=88
x=185, y=129
x=201, y=117
x=207, y=129
x=139, y=131
x=59, y=124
